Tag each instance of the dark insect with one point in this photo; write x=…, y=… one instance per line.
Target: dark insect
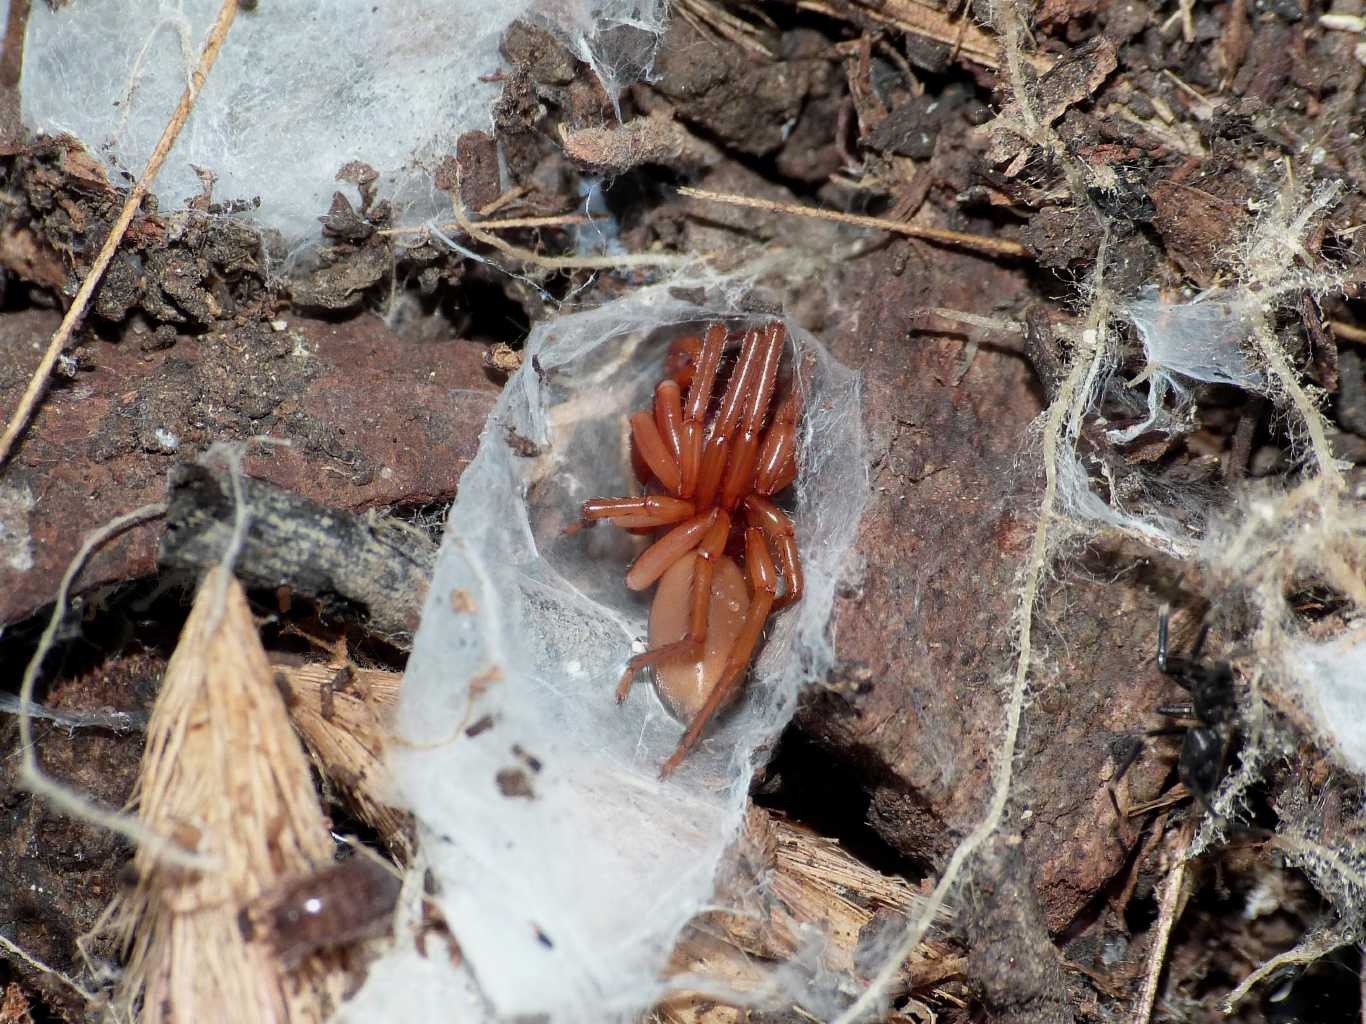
x=1205, y=721
x=334, y=906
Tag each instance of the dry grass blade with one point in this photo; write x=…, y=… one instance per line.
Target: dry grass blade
x=217, y=34
x=224, y=772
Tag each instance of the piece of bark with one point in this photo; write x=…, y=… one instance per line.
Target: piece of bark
x=923, y=622
x=344, y=715
x=789, y=883
x=1012, y=963
x=1200, y=223
x=656, y=139
x=376, y=569
x=480, y=181
x=1070, y=81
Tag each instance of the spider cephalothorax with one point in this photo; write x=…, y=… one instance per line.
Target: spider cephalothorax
x=703, y=462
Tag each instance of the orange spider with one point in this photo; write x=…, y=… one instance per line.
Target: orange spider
x=700, y=461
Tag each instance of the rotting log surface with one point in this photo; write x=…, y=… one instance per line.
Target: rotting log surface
x=1013, y=964
x=924, y=621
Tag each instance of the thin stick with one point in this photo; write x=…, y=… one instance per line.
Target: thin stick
x=961, y=239
x=1307, y=952
x=627, y=259
x=38, y=381
x=1166, y=920
x=563, y=220
x=30, y=774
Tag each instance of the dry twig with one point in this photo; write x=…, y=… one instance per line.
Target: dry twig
x=959, y=239
x=217, y=34
x=563, y=220
x=1315, y=947
x=1169, y=911
x=1348, y=332
x=630, y=259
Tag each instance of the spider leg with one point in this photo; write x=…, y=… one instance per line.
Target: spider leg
x=728, y=414
x=695, y=411
x=668, y=550
x=711, y=547
x=1162, y=638
x=1123, y=769
x=646, y=510
x=654, y=450
x=762, y=380
x=1199, y=646
x=1180, y=669
x=778, y=453
x=778, y=529
x=669, y=417
x=1131, y=758
x=764, y=580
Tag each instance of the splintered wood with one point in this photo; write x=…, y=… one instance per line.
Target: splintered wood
x=788, y=885
x=343, y=715
x=224, y=774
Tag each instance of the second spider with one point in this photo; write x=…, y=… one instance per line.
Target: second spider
x=706, y=461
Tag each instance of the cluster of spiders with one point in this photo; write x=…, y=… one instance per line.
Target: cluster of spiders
x=710, y=464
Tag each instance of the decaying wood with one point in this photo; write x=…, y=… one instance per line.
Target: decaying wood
x=789, y=882
x=377, y=568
